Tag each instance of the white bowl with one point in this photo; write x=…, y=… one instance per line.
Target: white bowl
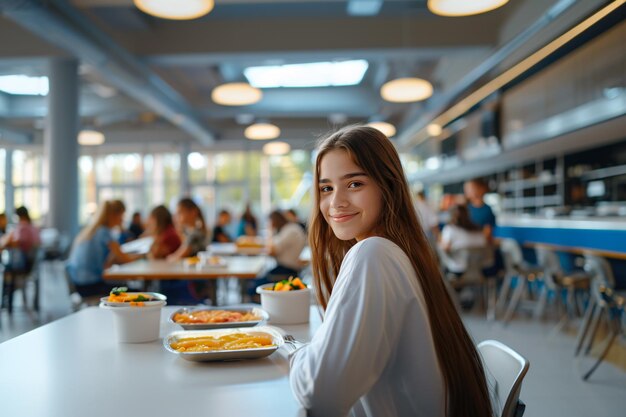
x=136, y=324
x=286, y=307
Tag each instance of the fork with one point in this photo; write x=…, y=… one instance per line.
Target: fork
x=291, y=341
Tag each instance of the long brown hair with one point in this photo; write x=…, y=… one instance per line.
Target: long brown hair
x=162, y=218
x=459, y=216
x=466, y=387
x=188, y=204
x=107, y=210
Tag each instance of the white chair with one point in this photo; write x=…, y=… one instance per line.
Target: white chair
x=601, y=278
x=505, y=370
x=517, y=271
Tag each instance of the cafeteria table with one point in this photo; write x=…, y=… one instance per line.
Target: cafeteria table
x=74, y=367
x=242, y=267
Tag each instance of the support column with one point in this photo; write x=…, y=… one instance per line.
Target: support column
x=185, y=186
x=9, y=205
x=61, y=145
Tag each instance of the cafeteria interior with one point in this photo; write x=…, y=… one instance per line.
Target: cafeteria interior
x=172, y=228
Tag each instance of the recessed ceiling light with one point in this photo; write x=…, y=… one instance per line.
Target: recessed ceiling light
x=175, y=9
x=24, y=85
x=262, y=131
x=90, y=138
x=406, y=90
x=236, y=94
x=314, y=74
x=463, y=7
x=276, y=148
x=387, y=129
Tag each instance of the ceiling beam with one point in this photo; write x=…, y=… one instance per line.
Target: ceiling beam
x=65, y=27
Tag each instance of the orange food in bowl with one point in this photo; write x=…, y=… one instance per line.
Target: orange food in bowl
x=291, y=284
x=214, y=316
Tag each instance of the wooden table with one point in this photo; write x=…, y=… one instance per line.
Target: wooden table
x=241, y=267
x=74, y=367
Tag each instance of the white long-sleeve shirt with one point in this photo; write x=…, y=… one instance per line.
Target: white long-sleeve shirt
x=374, y=354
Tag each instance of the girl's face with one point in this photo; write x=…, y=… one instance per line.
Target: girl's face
x=185, y=217
x=350, y=201
x=117, y=219
x=151, y=224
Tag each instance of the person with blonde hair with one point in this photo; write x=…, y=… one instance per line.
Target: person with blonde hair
x=392, y=342
x=95, y=249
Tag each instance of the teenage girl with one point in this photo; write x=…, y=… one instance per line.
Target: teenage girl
x=392, y=342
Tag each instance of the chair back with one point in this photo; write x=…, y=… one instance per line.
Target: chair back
x=511, y=255
x=549, y=262
x=505, y=370
x=475, y=258
x=601, y=274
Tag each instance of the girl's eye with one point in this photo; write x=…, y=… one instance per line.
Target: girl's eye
x=325, y=189
x=355, y=184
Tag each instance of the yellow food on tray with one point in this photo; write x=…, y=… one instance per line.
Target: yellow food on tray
x=290, y=284
x=120, y=295
x=250, y=242
x=235, y=341
x=214, y=316
x=192, y=260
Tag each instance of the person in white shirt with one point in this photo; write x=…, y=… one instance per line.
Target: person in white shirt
x=285, y=244
x=392, y=342
x=427, y=216
x=460, y=233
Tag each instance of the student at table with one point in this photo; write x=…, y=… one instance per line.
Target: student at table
x=135, y=228
x=285, y=243
x=479, y=212
x=248, y=225
x=193, y=228
x=292, y=216
x=220, y=235
x=392, y=342
x=160, y=225
x=96, y=248
x=459, y=233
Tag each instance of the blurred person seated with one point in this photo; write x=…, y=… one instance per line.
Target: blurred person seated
x=191, y=225
x=248, y=225
x=22, y=243
x=479, y=212
x=219, y=231
x=427, y=217
x=160, y=225
x=135, y=228
x=97, y=248
x=460, y=233
x=3, y=224
x=285, y=243
x=292, y=216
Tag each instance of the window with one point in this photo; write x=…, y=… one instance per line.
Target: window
x=30, y=182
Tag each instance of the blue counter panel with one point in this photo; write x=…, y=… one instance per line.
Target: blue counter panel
x=609, y=240
x=606, y=240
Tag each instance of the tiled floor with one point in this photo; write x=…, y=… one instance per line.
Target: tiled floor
x=552, y=387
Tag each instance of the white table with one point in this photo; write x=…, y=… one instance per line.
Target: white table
x=244, y=267
x=74, y=367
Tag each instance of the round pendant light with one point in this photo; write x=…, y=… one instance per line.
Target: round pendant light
x=463, y=7
x=387, y=129
x=236, y=94
x=175, y=9
x=433, y=129
x=262, y=131
x=406, y=90
x=276, y=148
x=90, y=138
